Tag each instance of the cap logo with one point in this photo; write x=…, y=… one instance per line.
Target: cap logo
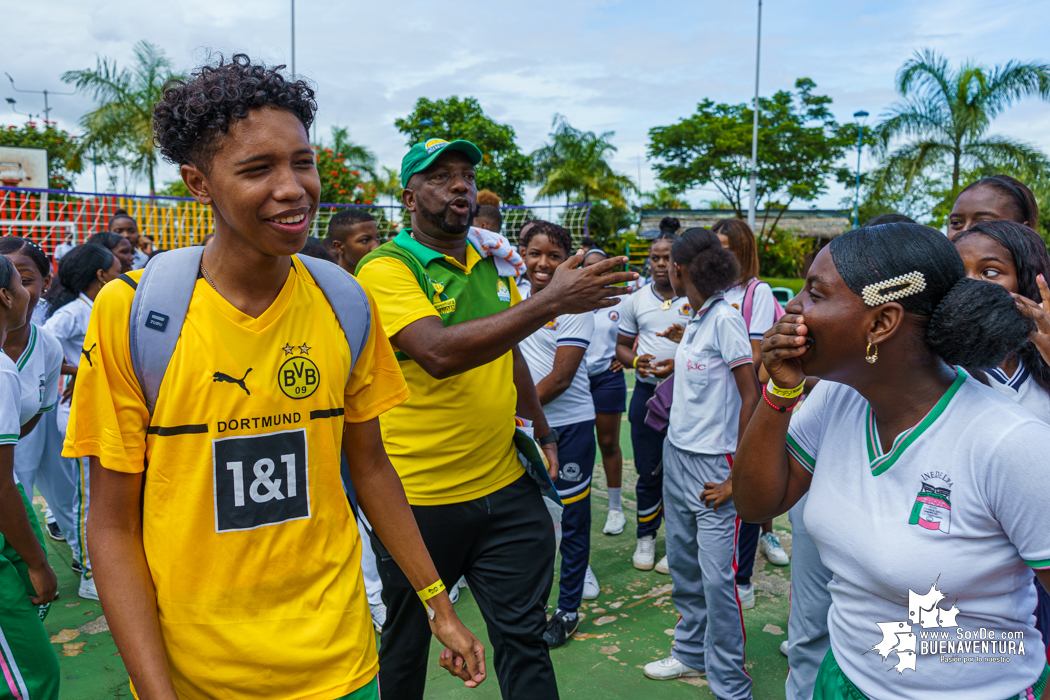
x=434, y=144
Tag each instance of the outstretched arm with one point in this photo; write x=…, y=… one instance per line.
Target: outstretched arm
x=381, y=496
x=447, y=351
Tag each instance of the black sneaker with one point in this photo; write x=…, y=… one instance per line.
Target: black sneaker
x=75, y=566
x=559, y=629
x=54, y=533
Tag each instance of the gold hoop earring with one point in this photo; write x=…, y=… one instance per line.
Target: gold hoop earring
x=871, y=357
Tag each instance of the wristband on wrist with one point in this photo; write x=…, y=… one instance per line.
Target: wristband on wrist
x=785, y=393
x=779, y=409
x=635, y=363
x=428, y=593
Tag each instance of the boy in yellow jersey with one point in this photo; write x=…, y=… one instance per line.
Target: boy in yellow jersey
x=239, y=574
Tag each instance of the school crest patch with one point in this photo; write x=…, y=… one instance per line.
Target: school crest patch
x=933, y=508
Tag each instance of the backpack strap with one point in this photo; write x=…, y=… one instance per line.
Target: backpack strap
x=158, y=312
x=348, y=300
x=749, y=301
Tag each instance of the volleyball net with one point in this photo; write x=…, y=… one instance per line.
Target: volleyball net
x=48, y=217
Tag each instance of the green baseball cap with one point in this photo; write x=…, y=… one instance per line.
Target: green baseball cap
x=420, y=156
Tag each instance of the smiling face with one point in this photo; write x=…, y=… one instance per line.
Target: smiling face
x=981, y=204
x=660, y=262
x=988, y=260
x=838, y=321
x=443, y=197
x=16, y=300
x=35, y=283
x=542, y=256
x=261, y=183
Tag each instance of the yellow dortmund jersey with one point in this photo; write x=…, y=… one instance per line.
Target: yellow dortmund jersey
x=252, y=547
x=453, y=440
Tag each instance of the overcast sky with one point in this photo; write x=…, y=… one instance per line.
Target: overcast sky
x=607, y=65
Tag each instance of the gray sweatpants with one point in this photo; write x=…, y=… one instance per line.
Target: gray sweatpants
x=808, y=640
x=701, y=552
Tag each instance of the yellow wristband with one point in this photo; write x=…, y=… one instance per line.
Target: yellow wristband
x=635, y=363
x=785, y=393
x=431, y=590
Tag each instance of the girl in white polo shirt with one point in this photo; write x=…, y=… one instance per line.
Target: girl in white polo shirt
x=939, y=473
x=554, y=355
x=81, y=274
x=1014, y=257
x=715, y=393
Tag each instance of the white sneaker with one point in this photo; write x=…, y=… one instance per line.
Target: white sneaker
x=746, y=594
x=662, y=567
x=87, y=588
x=645, y=553
x=378, y=616
x=668, y=669
x=614, y=523
x=784, y=647
x=769, y=544
x=591, y=588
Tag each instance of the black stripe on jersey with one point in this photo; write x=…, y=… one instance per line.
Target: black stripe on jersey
x=326, y=413
x=177, y=430
x=131, y=283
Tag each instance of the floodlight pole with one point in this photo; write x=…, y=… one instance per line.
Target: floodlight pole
x=293, y=39
x=860, y=147
x=754, y=129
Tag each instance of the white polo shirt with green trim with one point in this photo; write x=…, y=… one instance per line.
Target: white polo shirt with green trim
x=932, y=544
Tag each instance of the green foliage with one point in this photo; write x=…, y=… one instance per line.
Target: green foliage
x=944, y=121
x=795, y=284
x=663, y=198
x=340, y=167
x=175, y=188
x=606, y=224
x=799, y=143
x=782, y=254
x=575, y=164
x=503, y=169
x=63, y=150
x=120, y=128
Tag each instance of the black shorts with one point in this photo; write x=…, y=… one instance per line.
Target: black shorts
x=609, y=390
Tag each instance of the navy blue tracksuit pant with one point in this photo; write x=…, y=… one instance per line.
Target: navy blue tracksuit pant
x=576, y=452
x=648, y=446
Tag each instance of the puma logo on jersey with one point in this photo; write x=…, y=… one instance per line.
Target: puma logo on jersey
x=87, y=354
x=220, y=377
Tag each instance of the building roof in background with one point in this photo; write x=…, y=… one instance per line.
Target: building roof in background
x=804, y=223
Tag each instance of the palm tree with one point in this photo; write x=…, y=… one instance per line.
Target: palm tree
x=121, y=125
x=574, y=163
x=357, y=156
x=946, y=114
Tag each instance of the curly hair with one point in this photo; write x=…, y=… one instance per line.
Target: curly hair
x=711, y=267
x=554, y=233
x=193, y=114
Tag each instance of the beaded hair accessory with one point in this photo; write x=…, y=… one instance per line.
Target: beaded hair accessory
x=895, y=288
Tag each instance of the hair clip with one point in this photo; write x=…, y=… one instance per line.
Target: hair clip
x=901, y=286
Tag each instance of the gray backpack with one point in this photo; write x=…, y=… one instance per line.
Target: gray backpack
x=162, y=298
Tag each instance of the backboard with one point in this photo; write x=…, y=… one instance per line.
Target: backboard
x=23, y=167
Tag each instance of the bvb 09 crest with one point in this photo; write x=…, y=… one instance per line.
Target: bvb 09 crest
x=298, y=377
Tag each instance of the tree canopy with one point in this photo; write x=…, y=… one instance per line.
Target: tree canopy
x=503, y=169
x=936, y=141
x=799, y=145
x=120, y=128
x=63, y=150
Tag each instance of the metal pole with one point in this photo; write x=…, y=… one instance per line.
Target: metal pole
x=860, y=147
x=293, y=39
x=752, y=203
